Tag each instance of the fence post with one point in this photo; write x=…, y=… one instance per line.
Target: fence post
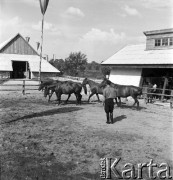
x=164, y=87
x=23, y=87
x=145, y=90
x=171, y=100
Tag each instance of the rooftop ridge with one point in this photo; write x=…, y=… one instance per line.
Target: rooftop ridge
x=161, y=31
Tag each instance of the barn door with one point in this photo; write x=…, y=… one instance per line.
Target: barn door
x=21, y=70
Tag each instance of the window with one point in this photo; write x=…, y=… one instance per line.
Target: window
x=165, y=42
x=157, y=42
x=171, y=41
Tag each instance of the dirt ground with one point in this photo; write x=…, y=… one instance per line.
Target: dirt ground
x=44, y=141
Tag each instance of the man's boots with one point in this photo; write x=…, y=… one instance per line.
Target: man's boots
x=107, y=115
x=111, y=117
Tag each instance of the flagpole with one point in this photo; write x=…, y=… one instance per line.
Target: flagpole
x=41, y=47
x=43, y=6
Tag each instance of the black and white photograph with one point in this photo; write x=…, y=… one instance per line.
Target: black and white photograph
x=86, y=89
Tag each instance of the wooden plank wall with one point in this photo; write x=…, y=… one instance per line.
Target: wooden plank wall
x=18, y=46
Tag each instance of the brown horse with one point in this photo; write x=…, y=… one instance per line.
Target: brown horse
x=125, y=91
x=94, y=87
x=46, y=83
x=65, y=87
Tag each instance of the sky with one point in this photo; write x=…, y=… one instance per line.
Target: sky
x=97, y=28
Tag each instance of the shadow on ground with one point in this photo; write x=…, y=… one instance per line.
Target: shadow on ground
x=124, y=106
x=71, y=102
x=47, y=113
x=119, y=118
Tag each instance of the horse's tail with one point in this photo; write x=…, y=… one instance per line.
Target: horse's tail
x=85, y=88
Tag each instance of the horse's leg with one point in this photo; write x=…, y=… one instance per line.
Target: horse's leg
x=98, y=97
x=90, y=96
x=119, y=101
x=56, y=96
x=59, y=99
x=136, y=101
x=50, y=95
x=80, y=99
x=68, y=98
x=116, y=101
x=77, y=98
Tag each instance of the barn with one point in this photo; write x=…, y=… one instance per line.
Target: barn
x=18, y=59
x=143, y=63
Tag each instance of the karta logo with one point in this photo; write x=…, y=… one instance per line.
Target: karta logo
x=130, y=171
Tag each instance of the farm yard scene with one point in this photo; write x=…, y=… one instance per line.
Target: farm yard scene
x=45, y=141
x=83, y=97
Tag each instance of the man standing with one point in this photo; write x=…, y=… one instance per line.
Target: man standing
x=109, y=95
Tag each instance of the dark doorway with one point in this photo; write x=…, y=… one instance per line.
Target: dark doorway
x=156, y=75
x=20, y=69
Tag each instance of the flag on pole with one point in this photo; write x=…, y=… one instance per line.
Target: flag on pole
x=38, y=45
x=43, y=5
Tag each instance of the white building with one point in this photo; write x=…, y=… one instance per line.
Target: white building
x=150, y=62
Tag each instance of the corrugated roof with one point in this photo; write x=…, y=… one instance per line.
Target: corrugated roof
x=33, y=60
x=138, y=55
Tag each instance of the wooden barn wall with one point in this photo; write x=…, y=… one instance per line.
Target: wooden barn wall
x=18, y=46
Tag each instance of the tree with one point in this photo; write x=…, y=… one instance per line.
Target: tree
x=106, y=70
x=75, y=63
x=59, y=64
x=93, y=66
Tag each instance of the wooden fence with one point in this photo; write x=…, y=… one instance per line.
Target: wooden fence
x=20, y=85
x=147, y=95
x=15, y=86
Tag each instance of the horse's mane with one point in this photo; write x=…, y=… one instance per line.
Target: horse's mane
x=93, y=82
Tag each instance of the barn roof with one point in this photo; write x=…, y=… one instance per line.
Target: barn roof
x=138, y=55
x=33, y=60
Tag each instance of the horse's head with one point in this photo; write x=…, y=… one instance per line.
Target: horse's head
x=85, y=81
x=41, y=86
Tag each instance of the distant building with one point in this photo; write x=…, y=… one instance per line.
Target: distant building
x=150, y=62
x=18, y=59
